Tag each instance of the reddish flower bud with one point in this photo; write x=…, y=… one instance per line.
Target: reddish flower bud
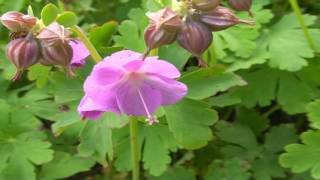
x=194, y=37
x=18, y=22
x=23, y=52
x=221, y=18
x=205, y=5
x=241, y=5
x=54, y=33
x=59, y=53
x=163, y=28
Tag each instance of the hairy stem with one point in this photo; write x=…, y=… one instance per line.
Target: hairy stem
x=135, y=155
x=295, y=7
x=83, y=38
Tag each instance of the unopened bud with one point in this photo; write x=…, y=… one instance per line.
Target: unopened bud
x=221, y=18
x=205, y=5
x=194, y=37
x=23, y=52
x=241, y=5
x=163, y=28
x=18, y=22
x=54, y=33
x=59, y=53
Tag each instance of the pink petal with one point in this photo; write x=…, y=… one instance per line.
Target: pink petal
x=138, y=101
x=80, y=53
x=171, y=90
x=163, y=68
x=89, y=108
x=122, y=57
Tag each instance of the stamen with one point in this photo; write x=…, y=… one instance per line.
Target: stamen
x=151, y=119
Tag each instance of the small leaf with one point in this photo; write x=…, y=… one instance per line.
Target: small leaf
x=314, y=113
x=189, y=121
x=227, y=170
x=67, y=19
x=64, y=165
x=176, y=173
x=302, y=157
x=49, y=14
x=101, y=36
x=40, y=74
x=206, y=82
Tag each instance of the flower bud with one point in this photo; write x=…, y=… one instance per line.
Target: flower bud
x=241, y=5
x=59, y=53
x=23, y=52
x=163, y=28
x=194, y=37
x=54, y=33
x=205, y=5
x=18, y=22
x=221, y=18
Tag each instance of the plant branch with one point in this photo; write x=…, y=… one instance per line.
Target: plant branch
x=135, y=154
x=295, y=7
x=83, y=38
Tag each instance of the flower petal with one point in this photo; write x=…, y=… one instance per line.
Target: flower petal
x=122, y=57
x=171, y=90
x=80, y=53
x=138, y=101
x=89, y=109
x=163, y=68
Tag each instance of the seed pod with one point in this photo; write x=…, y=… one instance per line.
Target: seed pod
x=194, y=37
x=18, y=22
x=23, y=52
x=241, y=5
x=54, y=33
x=163, y=28
x=221, y=18
x=205, y=5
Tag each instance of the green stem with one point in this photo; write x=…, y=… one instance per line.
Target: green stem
x=295, y=6
x=83, y=38
x=135, y=155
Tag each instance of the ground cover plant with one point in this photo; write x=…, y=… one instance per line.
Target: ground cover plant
x=160, y=90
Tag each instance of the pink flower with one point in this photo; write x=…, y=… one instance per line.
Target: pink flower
x=80, y=53
x=123, y=83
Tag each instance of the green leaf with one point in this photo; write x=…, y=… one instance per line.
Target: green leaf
x=176, y=173
x=40, y=74
x=252, y=119
x=294, y=94
x=189, y=121
x=267, y=168
x=130, y=38
x=100, y=36
x=64, y=165
x=231, y=132
x=96, y=141
x=156, y=152
x=206, y=82
x=261, y=80
x=49, y=14
x=314, y=113
x=67, y=19
x=302, y=157
x=227, y=170
x=131, y=31
x=286, y=36
x=175, y=55
x=22, y=146
x=278, y=137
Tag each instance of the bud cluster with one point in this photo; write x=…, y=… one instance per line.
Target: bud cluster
x=193, y=29
x=49, y=47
